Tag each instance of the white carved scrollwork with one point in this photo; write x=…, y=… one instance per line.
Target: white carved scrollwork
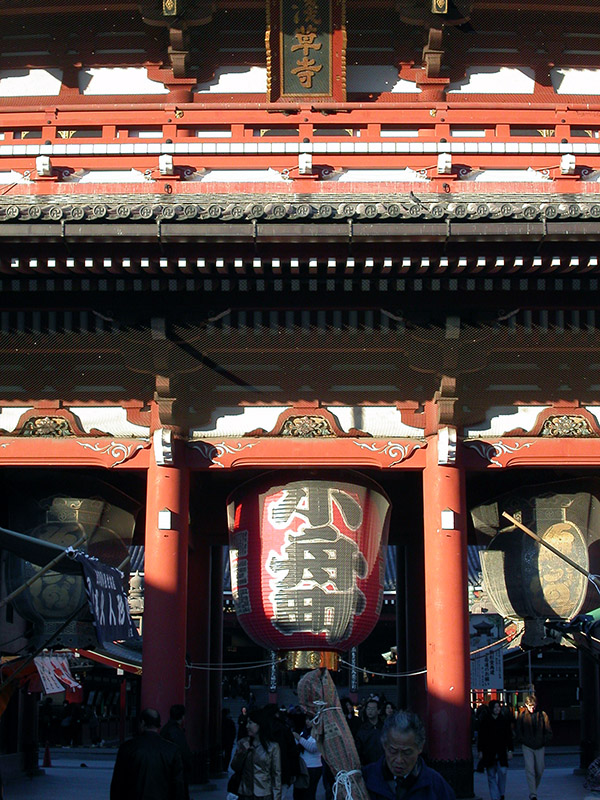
x=395, y=451
x=213, y=451
x=117, y=450
x=491, y=451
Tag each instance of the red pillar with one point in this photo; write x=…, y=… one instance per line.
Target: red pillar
x=447, y=624
x=216, y=657
x=165, y=580
x=197, y=720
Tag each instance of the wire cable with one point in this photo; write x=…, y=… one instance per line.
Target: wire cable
x=236, y=667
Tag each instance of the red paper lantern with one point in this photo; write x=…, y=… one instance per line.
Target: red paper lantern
x=308, y=559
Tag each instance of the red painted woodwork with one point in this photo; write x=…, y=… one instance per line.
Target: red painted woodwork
x=291, y=452
x=165, y=588
x=106, y=453
x=447, y=629
x=434, y=121
x=216, y=658
x=508, y=451
x=197, y=695
x=265, y=452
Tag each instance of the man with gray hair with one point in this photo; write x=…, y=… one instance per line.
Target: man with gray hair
x=401, y=774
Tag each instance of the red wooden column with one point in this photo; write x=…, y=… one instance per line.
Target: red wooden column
x=446, y=619
x=197, y=697
x=216, y=657
x=165, y=594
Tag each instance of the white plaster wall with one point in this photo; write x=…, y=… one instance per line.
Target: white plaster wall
x=30, y=82
x=379, y=175
x=376, y=420
x=571, y=80
x=506, y=176
x=119, y=81
x=495, y=80
x=9, y=417
x=235, y=80
x=109, y=176
x=241, y=176
x=12, y=177
x=595, y=410
x=234, y=421
x=377, y=78
x=506, y=418
x=111, y=420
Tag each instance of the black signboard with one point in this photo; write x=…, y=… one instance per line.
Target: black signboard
x=107, y=599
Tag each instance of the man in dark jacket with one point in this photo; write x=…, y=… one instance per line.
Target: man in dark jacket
x=173, y=731
x=148, y=767
x=534, y=732
x=401, y=773
x=368, y=737
x=495, y=748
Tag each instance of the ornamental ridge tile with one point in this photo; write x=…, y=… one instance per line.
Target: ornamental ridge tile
x=279, y=208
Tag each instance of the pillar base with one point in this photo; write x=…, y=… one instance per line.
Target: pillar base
x=458, y=773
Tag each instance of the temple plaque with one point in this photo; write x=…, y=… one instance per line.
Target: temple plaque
x=306, y=41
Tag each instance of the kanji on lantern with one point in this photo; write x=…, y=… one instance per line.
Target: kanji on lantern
x=308, y=559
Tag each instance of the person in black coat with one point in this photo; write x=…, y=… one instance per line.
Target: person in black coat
x=148, y=767
x=495, y=748
x=174, y=731
x=227, y=736
x=368, y=736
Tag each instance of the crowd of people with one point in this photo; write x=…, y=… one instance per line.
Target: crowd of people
x=276, y=757
x=495, y=732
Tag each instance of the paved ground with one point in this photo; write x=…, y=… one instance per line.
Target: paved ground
x=85, y=775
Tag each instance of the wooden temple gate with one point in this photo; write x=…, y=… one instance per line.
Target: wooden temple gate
x=297, y=258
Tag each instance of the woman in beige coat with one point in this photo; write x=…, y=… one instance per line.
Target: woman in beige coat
x=259, y=761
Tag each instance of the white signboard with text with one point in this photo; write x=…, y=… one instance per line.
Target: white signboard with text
x=487, y=664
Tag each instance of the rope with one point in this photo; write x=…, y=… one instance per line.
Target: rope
x=317, y=716
x=344, y=779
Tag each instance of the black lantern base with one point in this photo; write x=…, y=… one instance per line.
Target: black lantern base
x=458, y=773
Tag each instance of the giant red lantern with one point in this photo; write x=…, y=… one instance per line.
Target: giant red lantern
x=307, y=558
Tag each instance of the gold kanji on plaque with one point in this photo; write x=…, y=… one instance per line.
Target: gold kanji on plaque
x=306, y=41
x=306, y=70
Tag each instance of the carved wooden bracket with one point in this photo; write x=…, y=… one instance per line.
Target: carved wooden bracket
x=433, y=53
x=445, y=399
x=164, y=402
x=179, y=50
x=178, y=16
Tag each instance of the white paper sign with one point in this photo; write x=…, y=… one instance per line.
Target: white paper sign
x=55, y=674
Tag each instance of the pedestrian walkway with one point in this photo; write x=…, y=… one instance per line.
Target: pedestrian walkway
x=558, y=783
x=85, y=775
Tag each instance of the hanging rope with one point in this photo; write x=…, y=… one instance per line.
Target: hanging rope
x=317, y=716
x=344, y=779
